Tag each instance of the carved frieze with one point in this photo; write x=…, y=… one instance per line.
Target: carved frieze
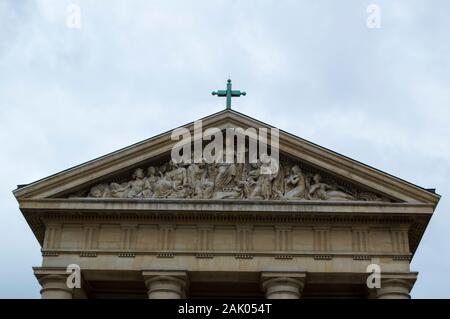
x=292, y=181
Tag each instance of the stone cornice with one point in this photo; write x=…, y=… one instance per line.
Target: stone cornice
x=216, y=253
x=79, y=205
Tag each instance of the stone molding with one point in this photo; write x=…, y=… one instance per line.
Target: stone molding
x=223, y=205
x=236, y=254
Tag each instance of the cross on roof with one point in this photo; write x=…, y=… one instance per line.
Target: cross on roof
x=229, y=93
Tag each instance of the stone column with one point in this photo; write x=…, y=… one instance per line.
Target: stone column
x=283, y=285
x=396, y=286
x=166, y=284
x=53, y=282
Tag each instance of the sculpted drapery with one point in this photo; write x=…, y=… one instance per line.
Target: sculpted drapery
x=229, y=181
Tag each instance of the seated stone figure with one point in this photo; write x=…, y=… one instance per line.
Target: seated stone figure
x=225, y=175
x=263, y=188
x=131, y=189
x=224, y=187
x=171, y=184
x=195, y=174
x=260, y=181
x=250, y=180
x=151, y=179
x=137, y=184
x=207, y=182
x=298, y=181
x=119, y=190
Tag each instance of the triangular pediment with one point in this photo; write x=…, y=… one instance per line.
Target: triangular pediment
x=307, y=172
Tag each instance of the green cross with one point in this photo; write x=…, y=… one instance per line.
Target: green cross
x=229, y=93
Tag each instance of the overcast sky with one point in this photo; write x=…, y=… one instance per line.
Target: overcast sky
x=138, y=68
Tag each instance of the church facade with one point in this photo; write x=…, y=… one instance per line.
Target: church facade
x=139, y=225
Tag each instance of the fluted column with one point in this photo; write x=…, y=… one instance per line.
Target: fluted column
x=166, y=284
x=396, y=286
x=282, y=285
x=54, y=283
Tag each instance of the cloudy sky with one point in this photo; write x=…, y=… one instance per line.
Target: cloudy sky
x=138, y=68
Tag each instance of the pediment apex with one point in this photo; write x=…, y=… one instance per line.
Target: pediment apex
x=310, y=154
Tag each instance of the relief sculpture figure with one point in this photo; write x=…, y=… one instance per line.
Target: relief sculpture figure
x=324, y=191
x=131, y=189
x=215, y=181
x=298, y=181
x=100, y=191
x=171, y=182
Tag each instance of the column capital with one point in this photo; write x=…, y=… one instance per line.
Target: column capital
x=283, y=285
x=396, y=285
x=166, y=284
x=54, y=282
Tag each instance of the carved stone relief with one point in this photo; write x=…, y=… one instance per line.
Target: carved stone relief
x=230, y=181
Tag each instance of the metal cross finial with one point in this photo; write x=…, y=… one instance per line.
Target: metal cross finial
x=229, y=93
